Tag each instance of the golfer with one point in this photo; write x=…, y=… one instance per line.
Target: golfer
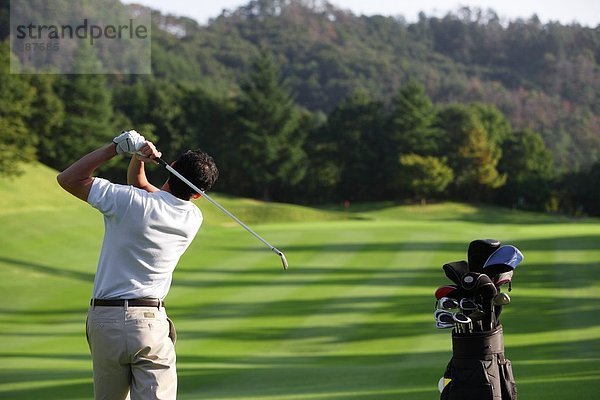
x=147, y=229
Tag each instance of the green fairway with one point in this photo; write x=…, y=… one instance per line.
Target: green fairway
x=350, y=319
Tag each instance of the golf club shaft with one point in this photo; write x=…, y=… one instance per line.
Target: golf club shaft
x=236, y=219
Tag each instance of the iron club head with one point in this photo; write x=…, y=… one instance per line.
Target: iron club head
x=447, y=303
x=283, y=259
x=502, y=299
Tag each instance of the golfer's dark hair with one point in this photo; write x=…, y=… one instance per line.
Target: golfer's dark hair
x=199, y=168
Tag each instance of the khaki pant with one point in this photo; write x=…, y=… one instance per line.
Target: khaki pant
x=132, y=352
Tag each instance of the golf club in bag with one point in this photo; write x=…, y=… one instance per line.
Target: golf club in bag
x=236, y=219
x=471, y=306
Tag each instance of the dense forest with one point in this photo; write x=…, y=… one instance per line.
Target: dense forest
x=304, y=102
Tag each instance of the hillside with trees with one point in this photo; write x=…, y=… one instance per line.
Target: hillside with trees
x=304, y=102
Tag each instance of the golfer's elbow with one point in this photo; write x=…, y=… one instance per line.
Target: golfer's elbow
x=79, y=188
x=62, y=180
x=65, y=181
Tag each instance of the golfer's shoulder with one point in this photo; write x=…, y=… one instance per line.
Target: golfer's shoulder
x=108, y=197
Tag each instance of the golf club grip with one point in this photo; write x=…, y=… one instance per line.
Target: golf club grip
x=236, y=219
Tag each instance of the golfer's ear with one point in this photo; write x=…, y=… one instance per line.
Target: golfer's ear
x=196, y=196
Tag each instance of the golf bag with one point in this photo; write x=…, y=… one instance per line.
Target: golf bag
x=478, y=369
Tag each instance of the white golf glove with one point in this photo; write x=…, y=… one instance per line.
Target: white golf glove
x=129, y=142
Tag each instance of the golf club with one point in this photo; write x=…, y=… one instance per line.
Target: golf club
x=464, y=322
x=468, y=305
x=444, y=291
x=502, y=299
x=477, y=316
x=236, y=219
x=444, y=317
x=506, y=258
x=470, y=280
x=503, y=278
x=485, y=287
x=456, y=270
x=479, y=251
x=441, y=325
x=447, y=303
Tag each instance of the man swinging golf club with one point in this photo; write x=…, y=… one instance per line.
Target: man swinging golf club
x=147, y=230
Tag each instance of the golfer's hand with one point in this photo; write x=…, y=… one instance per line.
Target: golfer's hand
x=129, y=142
x=148, y=153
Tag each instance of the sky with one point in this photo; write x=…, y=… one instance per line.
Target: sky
x=584, y=12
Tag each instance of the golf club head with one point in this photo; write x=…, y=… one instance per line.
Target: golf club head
x=461, y=318
x=502, y=299
x=447, y=303
x=456, y=270
x=445, y=291
x=444, y=317
x=468, y=305
x=441, y=325
x=284, y=262
x=508, y=256
x=485, y=288
x=479, y=251
x=477, y=315
x=282, y=256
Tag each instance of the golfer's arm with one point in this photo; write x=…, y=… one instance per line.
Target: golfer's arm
x=136, y=175
x=77, y=179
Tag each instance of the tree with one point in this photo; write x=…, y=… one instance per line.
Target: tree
x=471, y=154
x=354, y=138
x=88, y=111
x=411, y=120
x=424, y=176
x=17, y=143
x=494, y=123
x=527, y=163
x=268, y=144
x=47, y=118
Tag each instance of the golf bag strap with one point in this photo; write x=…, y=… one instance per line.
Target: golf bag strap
x=478, y=346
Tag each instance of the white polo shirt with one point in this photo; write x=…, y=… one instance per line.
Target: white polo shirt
x=145, y=234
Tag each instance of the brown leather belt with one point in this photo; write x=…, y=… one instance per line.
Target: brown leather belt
x=130, y=303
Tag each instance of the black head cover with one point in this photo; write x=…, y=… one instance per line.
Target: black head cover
x=479, y=250
x=497, y=269
x=469, y=281
x=485, y=288
x=455, y=271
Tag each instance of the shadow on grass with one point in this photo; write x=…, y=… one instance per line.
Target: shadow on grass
x=366, y=247
x=567, y=243
x=556, y=276
x=48, y=270
x=316, y=277
x=324, y=335
x=68, y=384
x=15, y=316
x=395, y=305
x=479, y=213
